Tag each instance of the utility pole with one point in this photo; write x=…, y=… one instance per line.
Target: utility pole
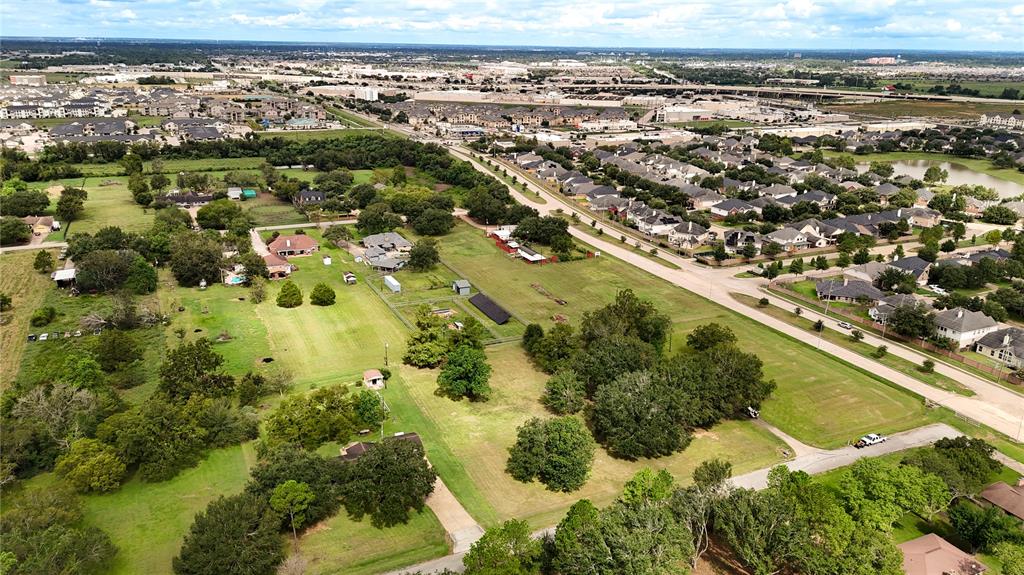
x=385, y=354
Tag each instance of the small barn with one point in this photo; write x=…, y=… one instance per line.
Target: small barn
x=64, y=278
x=461, y=287
x=489, y=308
x=392, y=284
x=373, y=379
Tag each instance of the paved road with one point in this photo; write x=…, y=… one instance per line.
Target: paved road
x=819, y=460
x=461, y=528
x=306, y=225
x=993, y=405
x=809, y=459
x=39, y=246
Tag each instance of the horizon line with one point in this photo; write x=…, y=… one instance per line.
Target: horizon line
x=84, y=39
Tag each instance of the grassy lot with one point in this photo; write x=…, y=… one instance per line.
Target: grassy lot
x=819, y=399
x=342, y=546
x=307, y=135
x=913, y=108
x=976, y=164
x=479, y=434
x=628, y=245
x=895, y=362
x=27, y=289
x=109, y=204
x=709, y=123
x=351, y=119
x=266, y=210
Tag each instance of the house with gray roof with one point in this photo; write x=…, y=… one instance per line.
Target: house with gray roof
x=963, y=325
x=688, y=235
x=848, y=291
x=1005, y=345
x=881, y=311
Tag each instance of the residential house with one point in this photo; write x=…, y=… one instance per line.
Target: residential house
x=881, y=311
x=731, y=207
x=963, y=325
x=932, y=555
x=865, y=272
x=278, y=267
x=308, y=197
x=688, y=235
x=915, y=266
x=1006, y=497
x=790, y=239
x=848, y=291
x=1005, y=345
x=41, y=225
x=737, y=240
x=294, y=245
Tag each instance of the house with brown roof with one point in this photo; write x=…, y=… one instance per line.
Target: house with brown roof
x=278, y=267
x=41, y=225
x=933, y=555
x=1009, y=499
x=296, y=245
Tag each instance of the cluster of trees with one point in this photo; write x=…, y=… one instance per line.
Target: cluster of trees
x=797, y=524
x=291, y=489
x=433, y=340
x=548, y=230
x=329, y=414
x=643, y=402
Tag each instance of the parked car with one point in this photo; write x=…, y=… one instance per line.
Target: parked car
x=44, y=336
x=78, y=333
x=869, y=440
x=845, y=325
x=753, y=413
x=938, y=290
x=31, y=337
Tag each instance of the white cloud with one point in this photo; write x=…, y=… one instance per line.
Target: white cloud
x=953, y=25
x=127, y=14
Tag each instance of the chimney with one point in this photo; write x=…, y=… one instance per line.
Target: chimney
x=1006, y=338
x=960, y=313
x=846, y=280
x=899, y=213
x=288, y=243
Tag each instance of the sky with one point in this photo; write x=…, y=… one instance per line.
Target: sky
x=794, y=24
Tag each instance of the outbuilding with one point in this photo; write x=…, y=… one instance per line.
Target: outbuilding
x=373, y=379
x=461, y=287
x=392, y=284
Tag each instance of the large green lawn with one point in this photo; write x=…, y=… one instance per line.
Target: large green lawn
x=27, y=288
x=109, y=204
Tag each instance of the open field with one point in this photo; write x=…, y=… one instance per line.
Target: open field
x=976, y=164
x=109, y=204
x=341, y=546
x=27, y=289
x=709, y=123
x=479, y=434
x=913, y=108
x=266, y=210
x=307, y=135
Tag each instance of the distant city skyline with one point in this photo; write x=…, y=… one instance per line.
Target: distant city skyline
x=997, y=25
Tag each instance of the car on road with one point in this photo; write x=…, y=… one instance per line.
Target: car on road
x=845, y=325
x=869, y=440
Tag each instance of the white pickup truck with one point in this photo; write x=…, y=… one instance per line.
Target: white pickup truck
x=869, y=440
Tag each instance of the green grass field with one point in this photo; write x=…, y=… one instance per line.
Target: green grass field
x=896, y=108
x=27, y=289
x=109, y=204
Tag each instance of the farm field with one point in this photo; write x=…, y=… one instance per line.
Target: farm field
x=27, y=289
x=913, y=108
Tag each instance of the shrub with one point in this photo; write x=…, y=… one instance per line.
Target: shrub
x=290, y=295
x=322, y=294
x=43, y=316
x=91, y=465
x=880, y=352
x=927, y=366
x=763, y=302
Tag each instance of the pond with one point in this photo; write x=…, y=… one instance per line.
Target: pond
x=958, y=174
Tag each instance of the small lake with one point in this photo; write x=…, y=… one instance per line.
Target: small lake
x=958, y=174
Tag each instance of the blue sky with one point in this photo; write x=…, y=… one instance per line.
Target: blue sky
x=807, y=24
